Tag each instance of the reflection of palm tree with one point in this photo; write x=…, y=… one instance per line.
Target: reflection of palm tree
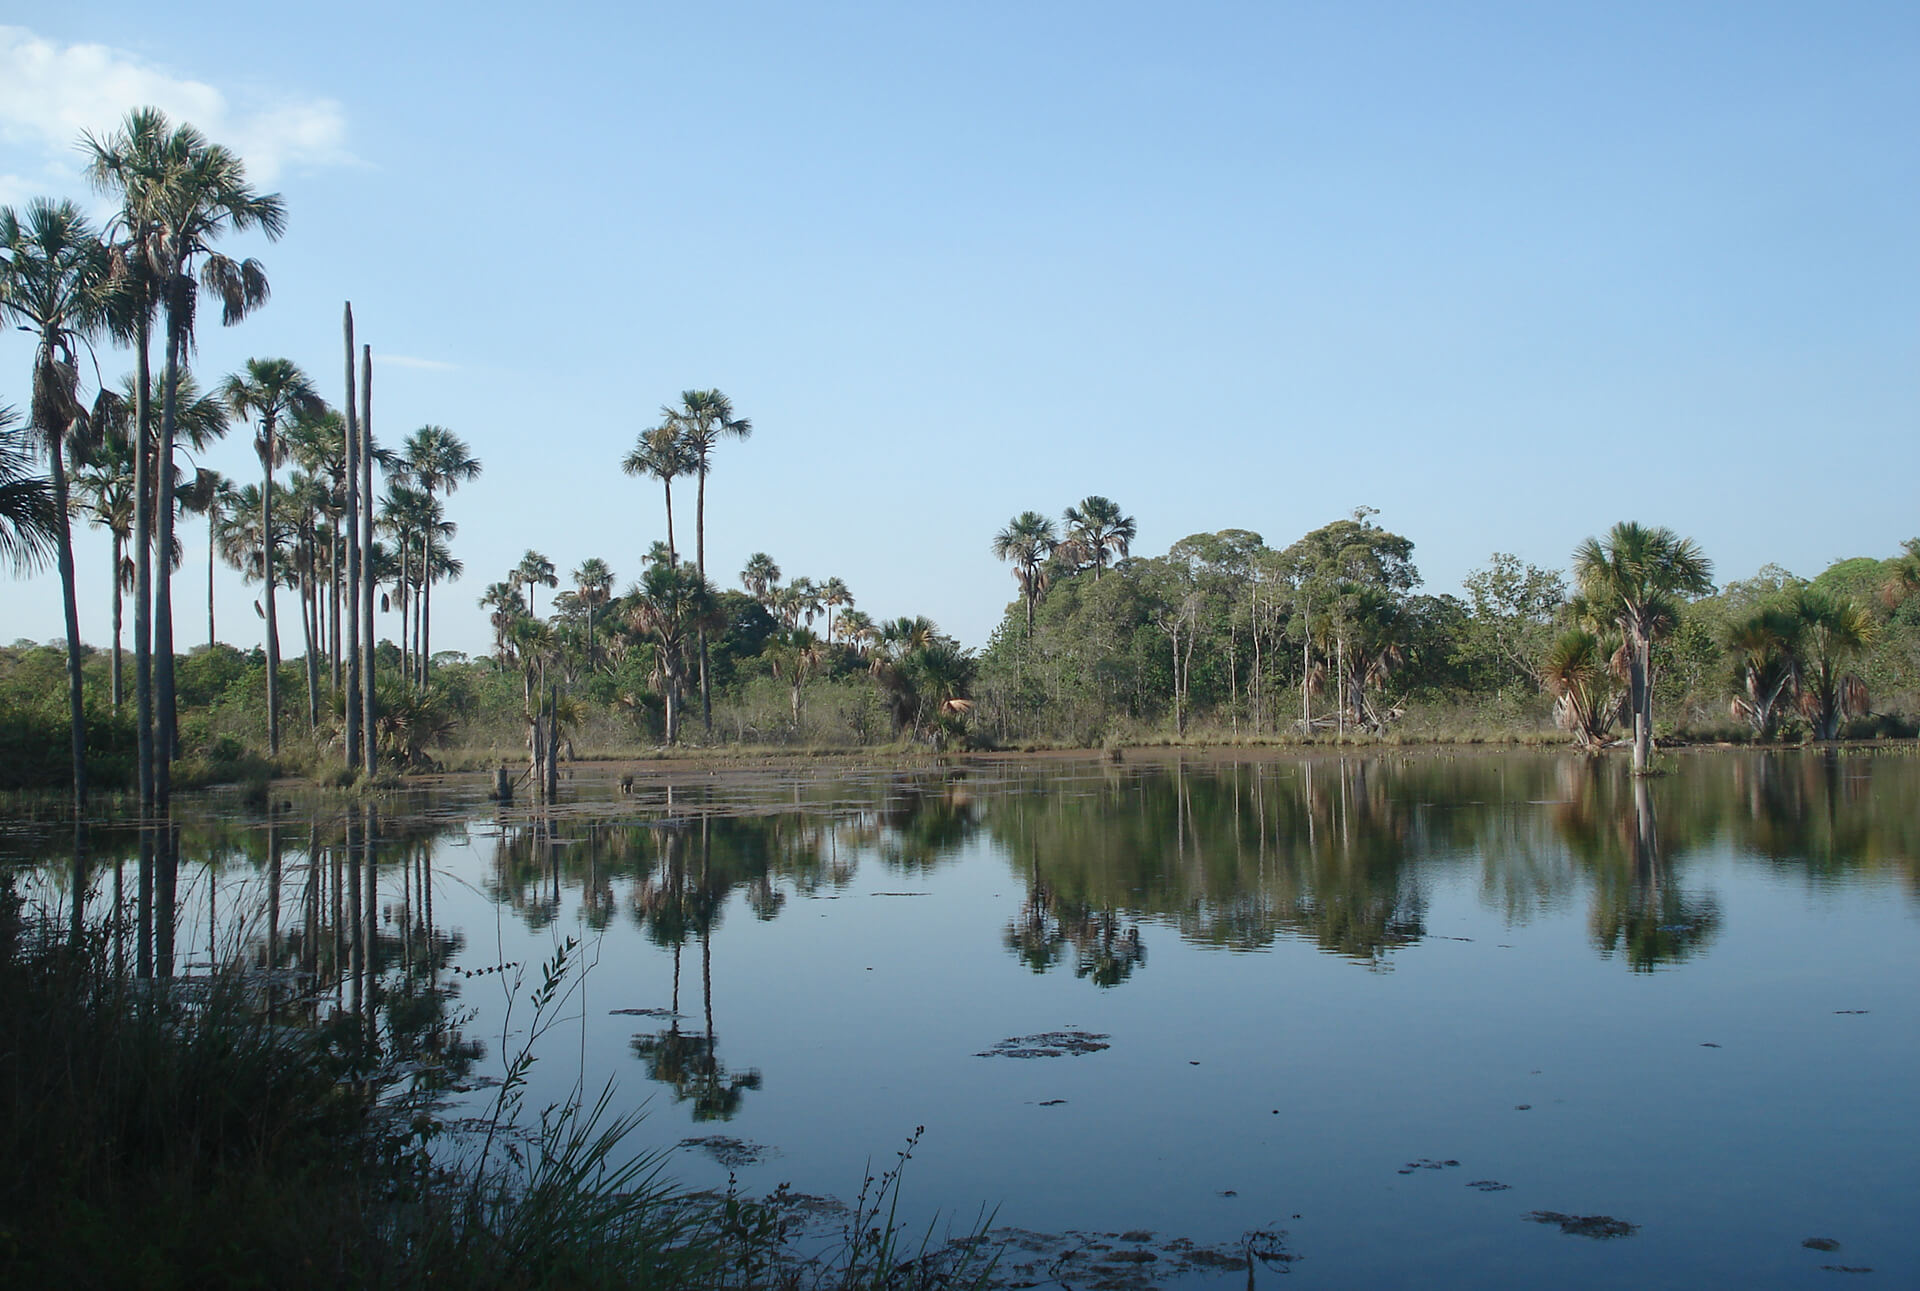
x=691, y=1064
x=1638, y=911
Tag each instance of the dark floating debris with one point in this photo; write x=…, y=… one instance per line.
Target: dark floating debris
x=1050, y=1102
x=1708, y=1044
x=729, y=1151
x=642, y=1013
x=1047, y=1044
x=1427, y=1163
x=900, y=894
x=1846, y=1268
x=1489, y=1185
x=1523, y=1107
x=1599, y=1227
x=1852, y=1012
x=1821, y=1244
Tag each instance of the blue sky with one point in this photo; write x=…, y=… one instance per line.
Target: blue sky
x=1508, y=273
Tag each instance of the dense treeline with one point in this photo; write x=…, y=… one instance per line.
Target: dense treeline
x=1223, y=637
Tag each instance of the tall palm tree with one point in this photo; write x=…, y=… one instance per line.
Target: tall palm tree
x=1027, y=541
x=704, y=418
x=317, y=444
x=269, y=392
x=54, y=284
x=794, y=654
x=28, y=520
x=673, y=605
x=1587, y=699
x=1831, y=631
x=834, y=595
x=534, y=571
x=441, y=462
x=1630, y=579
x=760, y=576
x=1099, y=531
x=660, y=453
x=412, y=518
x=593, y=585
x=180, y=194
x=212, y=495
x=502, y=601
x=105, y=495
x=1766, y=671
x=1904, y=578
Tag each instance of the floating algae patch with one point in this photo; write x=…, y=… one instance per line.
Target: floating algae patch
x=1047, y=1044
x=1130, y=1261
x=1599, y=1227
x=730, y=1152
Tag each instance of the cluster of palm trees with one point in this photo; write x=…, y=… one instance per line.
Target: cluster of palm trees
x=70, y=285
x=1091, y=535
x=113, y=460
x=682, y=444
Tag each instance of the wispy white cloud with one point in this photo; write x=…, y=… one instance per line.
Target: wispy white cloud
x=51, y=93
x=408, y=361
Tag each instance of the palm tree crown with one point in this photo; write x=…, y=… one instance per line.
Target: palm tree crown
x=1027, y=541
x=1099, y=531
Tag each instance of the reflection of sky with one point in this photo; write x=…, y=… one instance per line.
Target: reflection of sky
x=1299, y=1080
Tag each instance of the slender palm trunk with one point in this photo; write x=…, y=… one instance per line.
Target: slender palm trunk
x=400, y=588
x=354, y=561
x=271, y=582
x=76, y=703
x=369, y=751
x=143, y=565
x=166, y=721
x=333, y=601
x=119, y=553
x=213, y=513
x=1639, y=668
x=673, y=556
x=310, y=624
x=426, y=628
x=700, y=562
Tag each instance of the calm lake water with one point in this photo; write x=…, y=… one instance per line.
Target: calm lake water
x=1379, y=1009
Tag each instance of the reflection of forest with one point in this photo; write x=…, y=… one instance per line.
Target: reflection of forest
x=330, y=917
x=1334, y=850
x=682, y=870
